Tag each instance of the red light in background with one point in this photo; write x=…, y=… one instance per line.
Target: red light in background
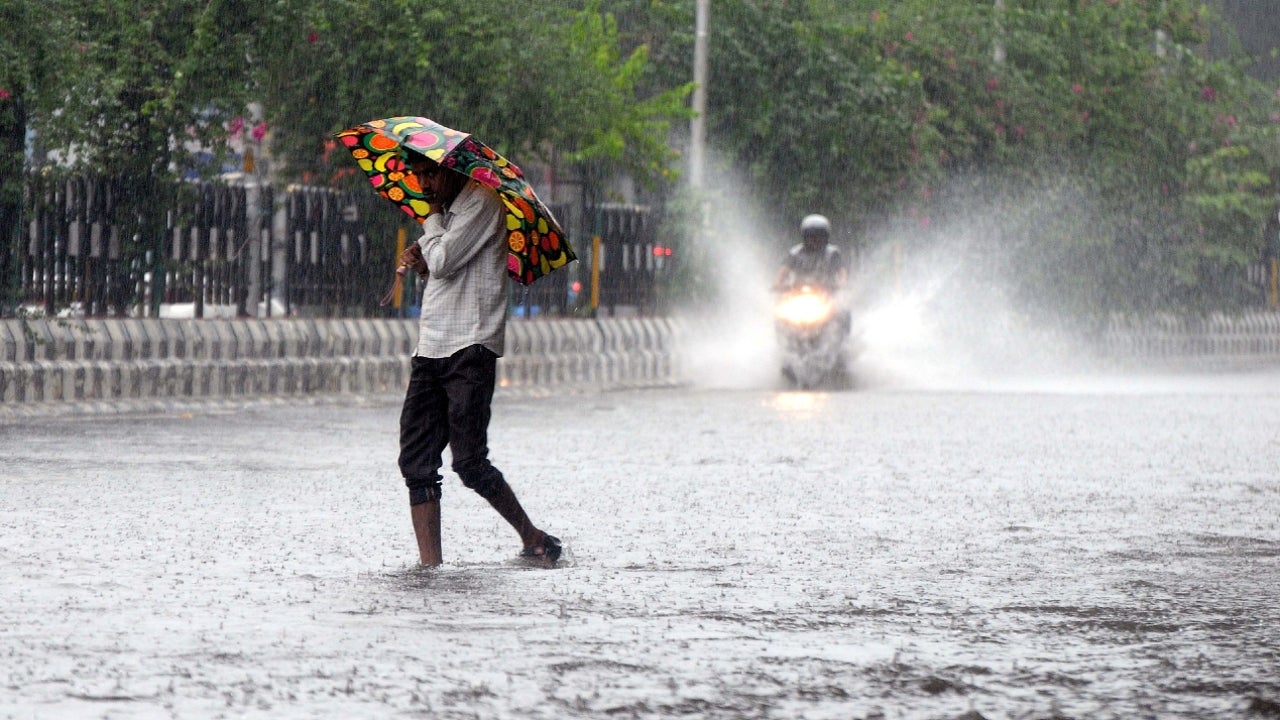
x=577, y=286
x=660, y=251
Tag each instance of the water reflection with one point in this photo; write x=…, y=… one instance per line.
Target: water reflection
x=801, y=404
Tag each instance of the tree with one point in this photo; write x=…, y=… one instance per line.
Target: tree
x=1081, y=155
x=28, y=84
x=1108, y=162
x=144, y=87
x=531, y=78
x=819, y=117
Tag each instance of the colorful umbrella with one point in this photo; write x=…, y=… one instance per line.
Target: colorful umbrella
x=535, y=241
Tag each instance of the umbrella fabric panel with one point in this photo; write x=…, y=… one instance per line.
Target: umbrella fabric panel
x=535, y=241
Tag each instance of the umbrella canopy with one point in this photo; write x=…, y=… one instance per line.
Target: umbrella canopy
x=536, y=244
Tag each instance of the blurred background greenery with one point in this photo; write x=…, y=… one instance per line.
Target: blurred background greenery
x=1119, y=154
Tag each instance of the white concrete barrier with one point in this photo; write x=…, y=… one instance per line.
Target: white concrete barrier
x=1218, y=339
x=96, y=361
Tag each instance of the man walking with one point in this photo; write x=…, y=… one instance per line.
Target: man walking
x=461, y=258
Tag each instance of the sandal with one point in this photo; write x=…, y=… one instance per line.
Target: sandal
x=549, y=549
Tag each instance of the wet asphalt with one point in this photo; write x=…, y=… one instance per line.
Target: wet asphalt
x=1104, y=551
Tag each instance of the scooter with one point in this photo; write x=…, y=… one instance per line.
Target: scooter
x=813, y=335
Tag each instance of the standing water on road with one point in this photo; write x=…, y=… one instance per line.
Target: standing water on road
x=738, y=553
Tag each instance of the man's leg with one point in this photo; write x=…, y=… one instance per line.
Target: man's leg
x=469, y=383
x=426, y=528
x=424, y=432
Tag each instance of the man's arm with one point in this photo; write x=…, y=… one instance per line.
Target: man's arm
x=473, y=218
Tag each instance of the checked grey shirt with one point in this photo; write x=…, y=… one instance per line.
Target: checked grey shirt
x=464, y=302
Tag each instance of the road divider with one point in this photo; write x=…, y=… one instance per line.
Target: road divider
x=80, y=365
x=1214, y=340
x=60, y=361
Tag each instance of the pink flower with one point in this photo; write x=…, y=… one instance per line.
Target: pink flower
x=1208, y=94
x=1077, y=88
x=312, y=37
x=4, y=94
x=1019, y=132
x=910, y=36
x=235, y=127
x=992, y=84
x=1084, y=116
x=1275, y=117
x=259, y=131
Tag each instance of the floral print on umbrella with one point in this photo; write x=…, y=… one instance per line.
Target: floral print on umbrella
x=536, y=244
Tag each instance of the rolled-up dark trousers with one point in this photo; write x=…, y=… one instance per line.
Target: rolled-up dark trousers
x=448, y=405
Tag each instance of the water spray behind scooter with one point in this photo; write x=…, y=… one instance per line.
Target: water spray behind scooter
x=737, y=340
x=941, y=319
x=729, y=340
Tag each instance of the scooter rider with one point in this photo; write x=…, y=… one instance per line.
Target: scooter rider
x=815, y=261
x=814, y=340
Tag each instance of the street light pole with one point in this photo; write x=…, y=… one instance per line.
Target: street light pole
x=998, y=54
x=697, y=126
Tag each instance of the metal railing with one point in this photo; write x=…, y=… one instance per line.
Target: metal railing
x=80, y=248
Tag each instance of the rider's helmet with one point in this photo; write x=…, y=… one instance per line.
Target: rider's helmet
x=815, y=229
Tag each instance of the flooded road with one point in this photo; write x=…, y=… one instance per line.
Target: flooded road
x=1104, y=551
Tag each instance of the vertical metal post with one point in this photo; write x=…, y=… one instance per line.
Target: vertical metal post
x=253, y=231
x=157, y=262
x=280, y=238
x=697, y=126
x=998, y=53
x=1275, y=283
x=1162, y=38
x=398, y=300
x=12, y=209
x=595, y=273
x=14, y=236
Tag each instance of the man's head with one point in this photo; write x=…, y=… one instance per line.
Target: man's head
x=440, y=185
x=815, y=230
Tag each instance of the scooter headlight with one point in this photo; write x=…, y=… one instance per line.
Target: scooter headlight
x=803, y=308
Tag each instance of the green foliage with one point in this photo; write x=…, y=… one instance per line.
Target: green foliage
x=626, y=131
x=536, y=80
x=1224, y=210
x=141, y=83
x=817, y=115
x=1077, y=137
x=1106, y=161
x=28, y=79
